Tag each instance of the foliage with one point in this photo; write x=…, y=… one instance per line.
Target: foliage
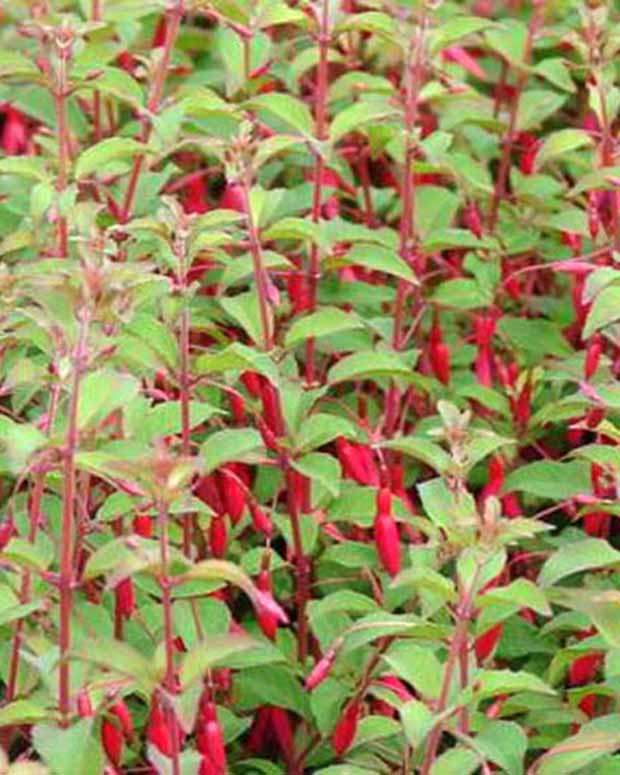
x=309, y=387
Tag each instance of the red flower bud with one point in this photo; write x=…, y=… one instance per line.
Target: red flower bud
x=573, y=241
x=7, y=531
x=210, y=740
x=281, y=725
x=121, y=712
x=84, y=704
x=345, y=730
x=594, y=218
x=207, y=490
x=593, y=357
x=267, y=619
x=233, y=198
x=439, y=355
x=253, y=383
x=486, y=643
x=232, y=491
x=597, y=523
x=142, y=525
x=357, y=462
x=527, y=164
x=125, y=598
x=14, y=133
x=387, y=539
x=237, y=407
x=584, y=669
x=323, y=667
x=473, y=219
x=112, y=741
x=218, y=536
x=395, y=685
x=160, y=730
x=260, y=520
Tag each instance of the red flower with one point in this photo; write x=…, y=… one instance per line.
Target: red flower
x=346, y=728
x=387, y=539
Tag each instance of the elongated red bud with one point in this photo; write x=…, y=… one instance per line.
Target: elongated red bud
x=207, y=767
x=527, y=164
x=486, y=643
x=387, y=538
x=439, y=355
x=253, y=383
x=597, y=523
x=218, y=536
x=323, y=667
x=121, y=712
x=260, y=520
x=495, y=480
x=207, y=490
x=346, y=728
x=267, y=619
x=233, y=198
x=281, y=725
x=268, y=436
x=271, y=407
x=594, y=218
x=160, y=731
x=573, y=241
x=584, y=669
x=395, y=685
x=298, y=292
x=464, y=59
x=473, y=219
x=593, y=357
x=125, y=598
x=7, y=531
x=84, y=704
x=143, y=525
x=357, y=462
x=237, y=407
x=232, y=492
x=112, y=741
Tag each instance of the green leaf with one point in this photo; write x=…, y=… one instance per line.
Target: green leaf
x=417, y=721
x=560, y=143
x=321, y=428
x=509, y=39
x=97, y=157
x=574, y=754
x=19, y=441
x=121, y=658
x=23, y=712
x=576, y=557
x=324, y=322
x=165, y=419
x=604, y=310
x=287, y=109
x=103, y=392
x=366, y=364
x=233, y=444
x=208, y=653
x=358, y=115
x=381, y=259
x=550, y=479
x=424, y=450
x=69, y=750
x=455, y=28
x=321, y=468
x=538, y=337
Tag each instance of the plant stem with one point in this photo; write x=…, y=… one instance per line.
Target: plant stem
x=184, y=397
x=97, y=16
x=321, y=132
x=302, y=570
x=407, y=226
x=260, y=275
x=60, y=103
x=499, y=191
x=66, y=577
x=457, y=644
x=34, y=513
x=157, y=88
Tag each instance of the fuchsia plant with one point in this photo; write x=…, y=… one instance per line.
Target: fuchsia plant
x=309, y=392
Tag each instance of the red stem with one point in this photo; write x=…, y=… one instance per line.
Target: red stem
x=60, y=102
x=321, y=131
x=260, y=275
x=97, y=16
x=66, y=577
x=172, y=30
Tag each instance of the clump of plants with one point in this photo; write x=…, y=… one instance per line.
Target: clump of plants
x=309, y=397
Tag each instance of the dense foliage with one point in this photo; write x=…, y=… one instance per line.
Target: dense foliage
x=309, y=411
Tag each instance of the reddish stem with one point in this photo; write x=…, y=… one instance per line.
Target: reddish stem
x=66, y=577
x=260, y=274
x=157, y=88
x=60, y=103
x=321, y=132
